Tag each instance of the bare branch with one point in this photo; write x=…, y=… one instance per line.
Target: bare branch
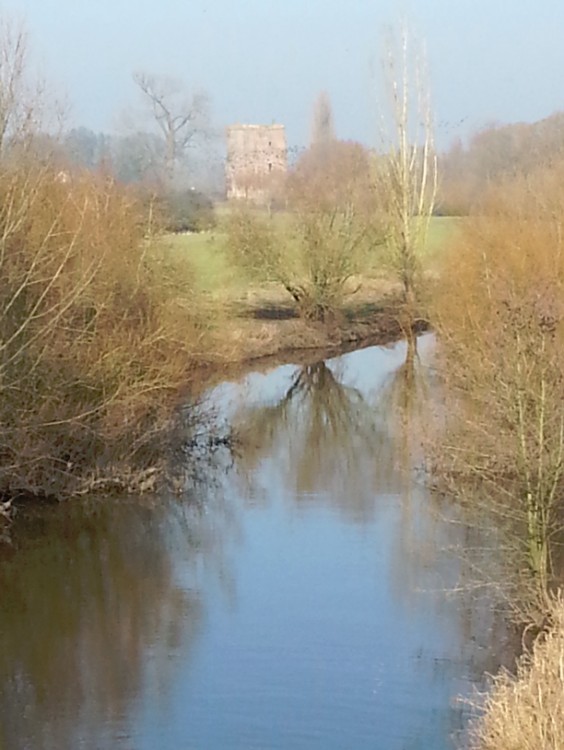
x=407, y=176
x=180, y=117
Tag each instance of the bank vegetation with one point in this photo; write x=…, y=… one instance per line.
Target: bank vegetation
x=499, y=313
x=98, y=332
x=525, y=710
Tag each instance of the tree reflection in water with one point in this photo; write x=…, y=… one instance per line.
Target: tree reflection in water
x=92, y=609
x=360, y=451
x=335, y=443
x=95, y=610
x=409, y=398
x=323, y=438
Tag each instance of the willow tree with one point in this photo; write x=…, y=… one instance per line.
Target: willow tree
x=407, y=173
x=317, y=248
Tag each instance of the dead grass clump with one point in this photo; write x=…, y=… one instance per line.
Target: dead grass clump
x=526, y=711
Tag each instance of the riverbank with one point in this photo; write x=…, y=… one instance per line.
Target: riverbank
x=102, y=347
x=308, y=563
x=259, y=331
x=266, y=331
x=255, y=319
x=526, y=711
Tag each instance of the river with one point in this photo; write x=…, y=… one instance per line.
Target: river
x=303, y=598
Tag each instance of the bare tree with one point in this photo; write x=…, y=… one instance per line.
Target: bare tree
x=20, y=98
x=408, y=174
x=181, y=117
x=323, y=127
x=323, y=241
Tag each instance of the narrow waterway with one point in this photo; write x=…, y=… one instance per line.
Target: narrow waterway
x=303, y=599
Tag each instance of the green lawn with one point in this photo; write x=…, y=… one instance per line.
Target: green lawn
x=207, y=256
x=216, y=275
x=441, y=229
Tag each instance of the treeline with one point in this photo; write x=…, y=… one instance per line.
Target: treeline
x=186, y=200
x=137, y=158
x=496, y=153
x=132, y=158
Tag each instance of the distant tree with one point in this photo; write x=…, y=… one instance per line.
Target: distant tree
x=20, y=98
x=496, y=153
x=408, y=174
x=315, y=249
x=137, y=157
x=333, y=176
x=322, y=127
x=180, y=117
x=86, y=148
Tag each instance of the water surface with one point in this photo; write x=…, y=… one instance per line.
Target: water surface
x=300, y=601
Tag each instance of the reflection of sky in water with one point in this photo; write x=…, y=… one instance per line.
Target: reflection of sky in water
x=365, y=369
x=334, y=638
x=280, y=624
x=318, y=650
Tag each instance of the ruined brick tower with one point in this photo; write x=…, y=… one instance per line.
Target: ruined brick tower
x=257, y=161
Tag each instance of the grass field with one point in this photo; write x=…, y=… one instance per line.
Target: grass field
x=206, y=253
x=216, y=275
x=260, y=319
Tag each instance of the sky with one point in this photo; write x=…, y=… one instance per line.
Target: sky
x=264, y=61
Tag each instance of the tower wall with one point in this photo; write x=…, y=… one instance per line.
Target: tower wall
x=257, y=159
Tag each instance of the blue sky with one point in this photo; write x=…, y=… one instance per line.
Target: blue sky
x=265, y=60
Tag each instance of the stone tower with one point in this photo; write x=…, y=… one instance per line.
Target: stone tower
x=257, y=161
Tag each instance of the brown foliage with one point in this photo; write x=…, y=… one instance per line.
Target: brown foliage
x=495, y=153
x=96, y=334
x=500, y=316
x=331, y=176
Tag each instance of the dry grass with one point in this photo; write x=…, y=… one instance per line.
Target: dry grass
x=526, y=711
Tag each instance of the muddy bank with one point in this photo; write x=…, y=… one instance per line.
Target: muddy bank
x=268, y=335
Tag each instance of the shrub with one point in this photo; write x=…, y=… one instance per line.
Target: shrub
x=315, y=248
x=98, y=330
x=499, y=311
x=187, y=211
